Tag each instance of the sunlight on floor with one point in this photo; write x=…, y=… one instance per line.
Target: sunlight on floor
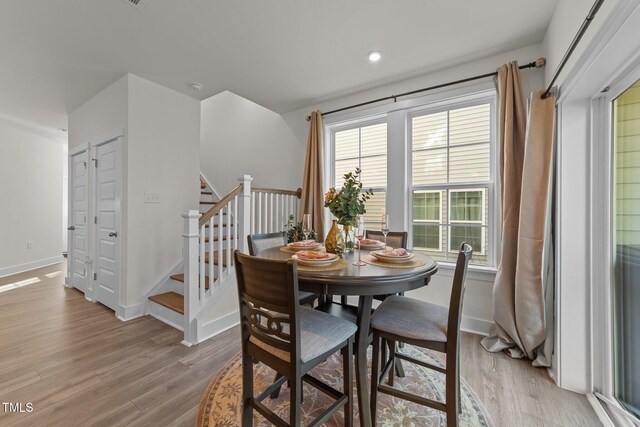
x=20, y=284
x=54, y=274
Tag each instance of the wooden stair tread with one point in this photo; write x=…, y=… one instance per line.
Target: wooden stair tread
x=207, y=193
x=180, y=278
x=216, y=225
x=215, y=238
x=172, y=300
x=208, y=203
x=215, y=258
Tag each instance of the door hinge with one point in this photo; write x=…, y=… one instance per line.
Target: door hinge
x=95, y=219
x=95, y=276
x=95, y=162
x=85, y=164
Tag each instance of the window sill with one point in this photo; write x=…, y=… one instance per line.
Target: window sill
x=474, y=272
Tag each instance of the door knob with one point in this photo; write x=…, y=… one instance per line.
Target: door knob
x=71, y=228
x=113, y=234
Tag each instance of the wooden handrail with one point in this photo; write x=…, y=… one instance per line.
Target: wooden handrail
x=219, y=205
x=297, y=193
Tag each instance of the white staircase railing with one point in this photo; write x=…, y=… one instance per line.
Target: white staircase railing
x=211, y=238
x=210, y=241
x=270, y=209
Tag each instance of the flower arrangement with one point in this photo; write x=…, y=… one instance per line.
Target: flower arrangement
x=294, y=231
x=348, y=203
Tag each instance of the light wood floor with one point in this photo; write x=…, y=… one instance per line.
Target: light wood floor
x=79, y=365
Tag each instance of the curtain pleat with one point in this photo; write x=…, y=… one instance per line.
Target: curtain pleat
x=312, y=191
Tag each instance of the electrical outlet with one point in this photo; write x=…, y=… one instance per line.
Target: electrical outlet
x=151, y=197
x=29, y=243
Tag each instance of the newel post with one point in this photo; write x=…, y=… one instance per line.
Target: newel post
x=191, y=237
x=245, y=213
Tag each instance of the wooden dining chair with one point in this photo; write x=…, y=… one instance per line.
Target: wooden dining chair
x=289, y=338
x=430, y=326
x=261, y=242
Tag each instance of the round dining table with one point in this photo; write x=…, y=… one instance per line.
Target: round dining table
x=365, y=282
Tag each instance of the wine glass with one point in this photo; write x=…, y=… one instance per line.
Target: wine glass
x=359, y=232
x=306, y=225
x=384, y=227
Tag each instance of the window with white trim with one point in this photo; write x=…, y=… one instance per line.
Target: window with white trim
x=365, y=147
x=436, y=155
x=451, y=162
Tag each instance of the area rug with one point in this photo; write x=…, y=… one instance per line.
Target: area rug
x=221, y=403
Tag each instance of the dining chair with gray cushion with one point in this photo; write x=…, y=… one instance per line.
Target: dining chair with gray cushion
x=395, y=239
x=289, y=338
x=261, y=242
x=430, y=326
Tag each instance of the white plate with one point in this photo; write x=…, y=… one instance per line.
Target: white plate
x=313, y=247
x=379, y=245
x=318, y=262
x=392, y=259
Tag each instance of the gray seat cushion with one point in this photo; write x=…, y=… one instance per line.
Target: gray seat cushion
x=319, y=333
x=411, y=318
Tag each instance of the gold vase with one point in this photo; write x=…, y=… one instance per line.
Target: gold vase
x=331, y=242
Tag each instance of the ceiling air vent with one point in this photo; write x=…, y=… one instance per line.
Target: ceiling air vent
x=138, y=4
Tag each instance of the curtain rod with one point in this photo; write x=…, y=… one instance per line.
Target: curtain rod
x=572, y=46
x=538, y=63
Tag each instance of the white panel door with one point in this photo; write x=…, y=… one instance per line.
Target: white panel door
x=78, y=211
x=107, y=202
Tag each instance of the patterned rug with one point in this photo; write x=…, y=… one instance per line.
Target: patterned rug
x=221, y=403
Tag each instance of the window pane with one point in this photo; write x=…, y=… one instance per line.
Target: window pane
x=430, y=167
x=426, y=236
x=466, y=206
x=470, y=125
x=429, y=131
x=347, y=143
x=375, y=208
x=374, y=140
x=471, y=234
x=469, y=163
x=374, y=171
x=426, y=205
x=342, y=167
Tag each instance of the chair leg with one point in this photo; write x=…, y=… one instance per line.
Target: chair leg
x=375, y=374
x=392, y=356
x=276, y=393
x=247, y=390
x=347, y=382
x=296, y=401
x=452, y=394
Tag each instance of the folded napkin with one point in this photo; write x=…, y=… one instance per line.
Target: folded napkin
x=304, y=243
x=396, y=252
x=370, y=242
x=312, y=255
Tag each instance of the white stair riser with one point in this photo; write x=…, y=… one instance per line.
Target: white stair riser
x=166, y=315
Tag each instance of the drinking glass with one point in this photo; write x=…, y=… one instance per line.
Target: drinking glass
x=359, y=232
x=306, y=225
x=384, y=227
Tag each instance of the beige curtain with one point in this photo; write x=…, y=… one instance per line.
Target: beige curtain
x=523, y=289
x=312, y=191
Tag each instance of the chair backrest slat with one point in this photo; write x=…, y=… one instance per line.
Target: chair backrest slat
x=262, y=242
x=395, y=239
x=268, y=296
x=457, y=292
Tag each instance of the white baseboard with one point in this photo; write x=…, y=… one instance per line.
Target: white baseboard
x=476, y=326
x=8, y=271
x=219, y=325
x=130, y=312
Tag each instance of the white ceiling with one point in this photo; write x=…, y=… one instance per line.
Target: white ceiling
x=282, y=54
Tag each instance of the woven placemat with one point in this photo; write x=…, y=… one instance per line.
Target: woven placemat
x=290, y=250
x=338, y=265
x=415, y=262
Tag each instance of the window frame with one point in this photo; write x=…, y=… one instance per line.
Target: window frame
x=481, y=224
x=486, y=97
x=430, y=222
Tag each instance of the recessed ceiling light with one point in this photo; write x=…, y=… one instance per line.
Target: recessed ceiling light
x=195, y=86
x=375, y=56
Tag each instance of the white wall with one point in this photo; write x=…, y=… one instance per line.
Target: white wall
x=31, y=174
x=239, y=136
x=162, y=156
x=478, y=307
